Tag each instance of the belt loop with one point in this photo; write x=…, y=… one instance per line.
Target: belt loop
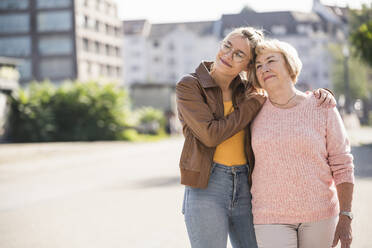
x=212, y=167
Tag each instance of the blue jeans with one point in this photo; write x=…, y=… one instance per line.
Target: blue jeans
x=223, y=208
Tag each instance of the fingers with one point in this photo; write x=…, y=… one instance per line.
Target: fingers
x=345, y=241
x=335, y=241
x=317, y=93
x=322, y=99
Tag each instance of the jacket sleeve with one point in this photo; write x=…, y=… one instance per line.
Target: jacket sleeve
x=338, y=148
x=199, y=118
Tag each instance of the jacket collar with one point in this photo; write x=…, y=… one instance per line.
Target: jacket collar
x=206, y=81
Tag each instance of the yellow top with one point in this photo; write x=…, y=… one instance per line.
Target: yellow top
x=231, y=151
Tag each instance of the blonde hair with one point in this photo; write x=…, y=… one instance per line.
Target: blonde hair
x=289, y=53
x=254, y=36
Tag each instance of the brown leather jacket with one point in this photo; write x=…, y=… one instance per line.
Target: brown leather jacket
x=201, y=112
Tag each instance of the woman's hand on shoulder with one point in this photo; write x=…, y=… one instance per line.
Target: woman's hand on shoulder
x=259, y=96
x=325, y=98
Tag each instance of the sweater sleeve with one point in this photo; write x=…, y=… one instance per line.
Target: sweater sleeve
x=338, y=147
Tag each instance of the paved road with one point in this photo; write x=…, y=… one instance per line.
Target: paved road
x=113, y=194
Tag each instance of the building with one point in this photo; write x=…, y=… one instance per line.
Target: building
x=157, y=55
x=302, y=30
x=62, y=39
x=162, y=53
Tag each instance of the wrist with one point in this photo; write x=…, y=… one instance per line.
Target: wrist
x=346, y=214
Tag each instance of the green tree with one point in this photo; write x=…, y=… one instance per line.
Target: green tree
x=361, y=32
x=358, y=83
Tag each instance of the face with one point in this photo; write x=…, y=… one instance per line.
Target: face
x=233, y=56
x=272, y=70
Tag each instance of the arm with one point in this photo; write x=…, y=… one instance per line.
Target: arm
x=341, y=163
x=199, y=118
x=343, y=230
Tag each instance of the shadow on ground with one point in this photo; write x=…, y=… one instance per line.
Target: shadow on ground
x=362, y=160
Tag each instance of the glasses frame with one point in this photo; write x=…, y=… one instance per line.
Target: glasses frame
x=226, y=48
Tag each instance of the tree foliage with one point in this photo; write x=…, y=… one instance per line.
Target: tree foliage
x=71, y=112
x=361, y=32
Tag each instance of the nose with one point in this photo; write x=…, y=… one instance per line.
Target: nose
x=265, y=68
x=229, y=54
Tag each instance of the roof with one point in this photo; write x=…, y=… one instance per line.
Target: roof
x=266, y=20
x=132, y=27
x=201, y=28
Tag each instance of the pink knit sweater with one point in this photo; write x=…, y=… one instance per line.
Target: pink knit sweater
x=301, y=154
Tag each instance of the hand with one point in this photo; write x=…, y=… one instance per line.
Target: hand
x=258, y=96
x=325, y=98
x=343, y=232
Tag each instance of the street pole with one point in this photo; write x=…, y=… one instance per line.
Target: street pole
x=346, y=54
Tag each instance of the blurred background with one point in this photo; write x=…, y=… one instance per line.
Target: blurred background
x=89, y=135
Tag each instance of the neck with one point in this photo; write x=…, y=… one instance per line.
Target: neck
x=282, y=95
x=222, y=80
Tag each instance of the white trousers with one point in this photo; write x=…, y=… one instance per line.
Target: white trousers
x=300, y=235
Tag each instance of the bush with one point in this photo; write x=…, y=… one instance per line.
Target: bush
x=74, y=111
x=150, y=120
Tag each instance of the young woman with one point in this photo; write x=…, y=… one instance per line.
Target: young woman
x=216, y=105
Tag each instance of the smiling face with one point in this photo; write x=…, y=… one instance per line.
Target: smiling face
x=272, y=70
x=233, y=56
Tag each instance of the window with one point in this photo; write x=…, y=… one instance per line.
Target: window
x=315, y=74
x=107, y=49
x=108, y=29
x=96, y=45
x=53, y=4
x=56, y=68
x=134, y=68
x=56, y=44
x=15, y=46
x=80, y=21
x=25, y=69
x=85, y=44
x=14, y=5
x=117, y=31
x=117, y=51
x=89, y=67
x=86, y=21
x=54, y=21
x=14, y=23
x=118, y=71
x=96, y=26
x=278, y=29
x=108, y=69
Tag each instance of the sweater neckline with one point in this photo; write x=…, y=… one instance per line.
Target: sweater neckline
x=307, y=97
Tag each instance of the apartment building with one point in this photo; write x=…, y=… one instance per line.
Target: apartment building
x=62, y=39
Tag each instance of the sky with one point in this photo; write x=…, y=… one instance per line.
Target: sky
x=162, y=11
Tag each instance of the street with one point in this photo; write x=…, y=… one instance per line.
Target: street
x=115, y=194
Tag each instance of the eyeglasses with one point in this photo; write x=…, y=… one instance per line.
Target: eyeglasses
x=237, y=55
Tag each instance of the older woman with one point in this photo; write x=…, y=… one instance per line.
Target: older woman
x=216, y=106
x=302, y=184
